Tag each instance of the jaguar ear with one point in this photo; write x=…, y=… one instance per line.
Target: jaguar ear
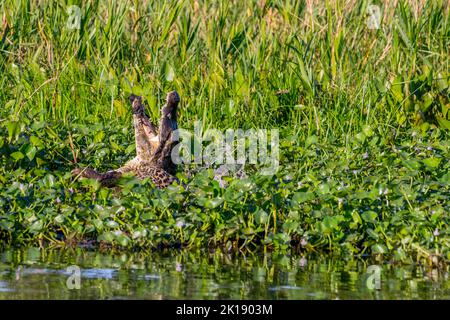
x=173, y=97
x=133, y=97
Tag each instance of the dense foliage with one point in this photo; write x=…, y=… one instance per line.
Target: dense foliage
x=363, y=116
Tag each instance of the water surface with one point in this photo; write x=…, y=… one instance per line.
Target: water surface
x=34, y=273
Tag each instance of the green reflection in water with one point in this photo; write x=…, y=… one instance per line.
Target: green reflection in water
x=32, y=273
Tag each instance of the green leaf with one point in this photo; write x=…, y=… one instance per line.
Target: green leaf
x=36, y=226
x=17, y=155
x=312, y=140
x=170, y=73
x=300, y=197
x=13, y=130
x=412, y=164
x=330, y=223
x=373, y=234
x=370, y=216
x=213, y=203
x=99, y=136
x=323, y=188
x=261, y=217
x=106, y=236
x=443, y=123
x=35, y=141
x=432, y=163
x=445, y=179
x=379, y=248
x=59, y=219
x=30, y=152
x=112, y=224
x=123, y=240
x=397, y=89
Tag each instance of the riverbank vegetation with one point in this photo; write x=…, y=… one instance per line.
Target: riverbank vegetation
x=362, y=111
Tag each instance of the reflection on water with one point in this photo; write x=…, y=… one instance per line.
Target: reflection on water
x=32, y=273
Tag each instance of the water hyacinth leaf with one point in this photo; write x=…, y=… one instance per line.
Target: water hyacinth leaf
x=98, y=224
x=312, y=140
x=400, y=254
x=281, y=238
x=59, y=219
x=330, y=223
x=432, y=163
x=397, y=89
x=36, y=141
x=49, y=180
x=102, y=153
x=112, y=224
x=140, y=233
x=232, y=195
x=445, y=179
x=37, y=226
x=30, y=152
x=300, y=197
x=379, y=248
x=444, y=123
x=290, y=226
x=323, y=188
x=372, y=234
x=130, y=149
x=213, y=203
x=90, y=183
x=412, y=164
x=360, y=137
x=367, y=130
x=17, y=155
x=106, y=236
x=14, y=129
x=356, y=217
x=370, y=216
x=261, y=217
x=248, y=231
x=244, y=185
x=99, y=136
x=123, y=240
x=6, y=225
x=102, y=211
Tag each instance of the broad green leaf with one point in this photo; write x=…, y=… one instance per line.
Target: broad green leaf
x=17, y=155
x=13, y=130
x=261, y=217
x=445, y=178
x=30, y=152
x=106, y=236
x=37, y=226
x=432, y=163
x=412, y=164
x=213, y=203
x=444, y=123
x=397, y=89
x=370, y=216
x=300, y=197
x=379, y=248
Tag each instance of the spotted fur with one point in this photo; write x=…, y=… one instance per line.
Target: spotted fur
x=153, y=151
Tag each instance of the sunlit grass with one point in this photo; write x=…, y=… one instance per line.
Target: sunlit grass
x=335, y=88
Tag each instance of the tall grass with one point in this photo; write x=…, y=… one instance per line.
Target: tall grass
x=309, y=66
x=353, y=177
